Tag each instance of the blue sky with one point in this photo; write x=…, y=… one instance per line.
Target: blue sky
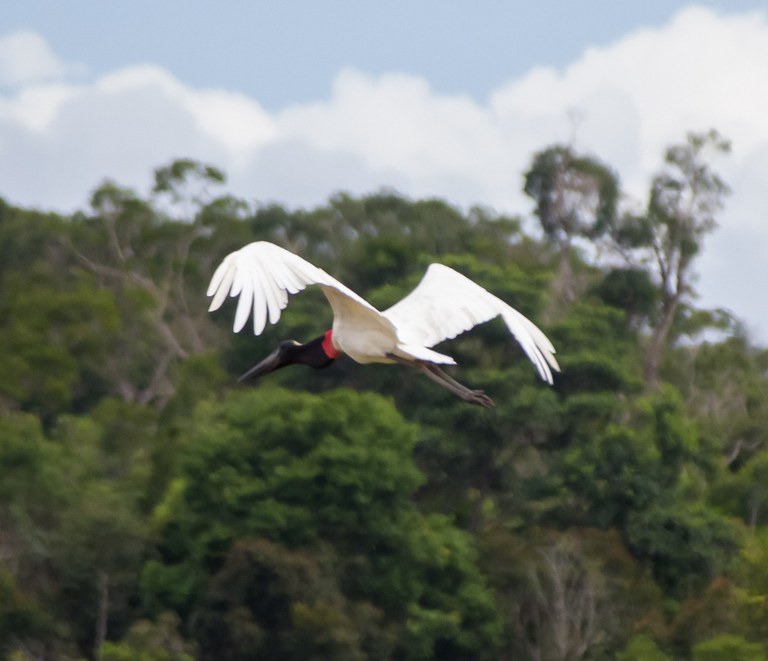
x=289, y=51
x=296, y=100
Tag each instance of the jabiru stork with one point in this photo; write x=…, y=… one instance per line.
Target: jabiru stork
x=443, y=305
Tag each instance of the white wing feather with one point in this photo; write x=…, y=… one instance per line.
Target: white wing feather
x=262, y=275
x=445, y=303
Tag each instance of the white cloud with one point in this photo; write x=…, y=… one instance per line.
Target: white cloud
x=396, y=121
x=34, y=107
x=58, y=141
x=701, y=70
x=237, y=123
x=25, y=57
x=624, y=102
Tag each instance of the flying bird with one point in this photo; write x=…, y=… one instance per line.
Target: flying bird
x=444, y=304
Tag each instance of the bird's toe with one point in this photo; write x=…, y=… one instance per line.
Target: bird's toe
x=480, y=398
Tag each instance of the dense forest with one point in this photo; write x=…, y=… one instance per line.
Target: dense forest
x=153, y=509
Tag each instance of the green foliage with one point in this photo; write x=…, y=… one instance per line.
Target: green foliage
x=20, y=618
x=722, y=609
x=642, y=648
x=575, y=195
x=728, y=647
x=361, y=512
x=630, y=289
x=683, y=200
x=751, y=570
x=187, y=180
x=559, y=590
x=258, y=460
x=297, y=474
x=150, y=641
x=686, y=544
x=55, y=335
x=273, y=602
x=576, y=198
x=30, y=487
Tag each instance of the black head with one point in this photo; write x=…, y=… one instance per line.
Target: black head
x=291, y=352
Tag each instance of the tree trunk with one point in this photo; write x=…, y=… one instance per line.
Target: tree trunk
x=101, y=615
x=658, y=343
x=565, y=289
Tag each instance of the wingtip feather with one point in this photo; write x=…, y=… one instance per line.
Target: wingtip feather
x=263, y=275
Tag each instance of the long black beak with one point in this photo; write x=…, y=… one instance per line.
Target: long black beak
x=274, y=361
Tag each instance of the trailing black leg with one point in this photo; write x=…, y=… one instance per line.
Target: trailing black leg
x=432, y=371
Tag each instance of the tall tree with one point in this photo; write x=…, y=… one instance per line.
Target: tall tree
x=576, y=196
x=683, y=201
x=142, y=254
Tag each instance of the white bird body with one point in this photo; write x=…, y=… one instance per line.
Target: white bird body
x=443, y=305
x=360, y=331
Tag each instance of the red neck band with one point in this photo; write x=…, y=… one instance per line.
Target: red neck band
x=330, y=350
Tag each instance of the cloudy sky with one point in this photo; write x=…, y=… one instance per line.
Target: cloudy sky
x=298, y=99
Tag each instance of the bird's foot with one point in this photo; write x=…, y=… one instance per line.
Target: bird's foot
x=479, y=398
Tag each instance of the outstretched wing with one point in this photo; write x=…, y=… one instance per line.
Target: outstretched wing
x=263, y=275
x=445, y=304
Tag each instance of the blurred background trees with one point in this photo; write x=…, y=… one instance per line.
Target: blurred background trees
x=152, y=509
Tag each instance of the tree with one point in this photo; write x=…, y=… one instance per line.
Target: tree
x=629, y=289
x=642, y=648
x=146, y=259
x=562, y=593
x=270, y=601
x=146, y=504
x=576, y=196
x=31, y=490
x=23, y=623
x=102, y=532
x=728, y=647
x=151, y=641
x=724, y=385
x=566, y=597
x=296, y=485
x=723, y=611
x=185, y=182
x=683, y=202
x=686, y=546
x=56, y=323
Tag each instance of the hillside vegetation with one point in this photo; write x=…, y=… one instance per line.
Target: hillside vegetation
x=153, y=509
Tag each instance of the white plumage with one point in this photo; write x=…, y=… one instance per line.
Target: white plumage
x=443, y=305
